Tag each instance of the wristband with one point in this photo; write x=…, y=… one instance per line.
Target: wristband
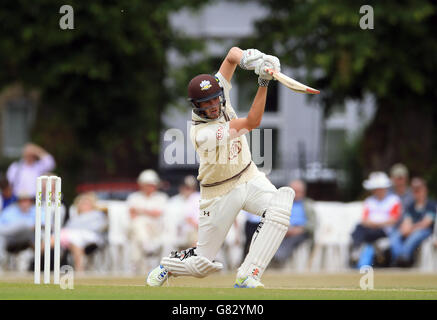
x=263, y=82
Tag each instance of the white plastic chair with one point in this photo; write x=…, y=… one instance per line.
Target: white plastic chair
x=427, y=258
x=300, y=259
x=335, y=222
x=118, y=242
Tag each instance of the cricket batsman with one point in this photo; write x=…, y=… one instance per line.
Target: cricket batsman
x=229, y=180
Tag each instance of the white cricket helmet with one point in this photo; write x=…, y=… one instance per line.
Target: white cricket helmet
x=148, y=176
x=377, y=180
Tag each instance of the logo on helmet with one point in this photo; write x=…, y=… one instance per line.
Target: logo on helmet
x=205, y=85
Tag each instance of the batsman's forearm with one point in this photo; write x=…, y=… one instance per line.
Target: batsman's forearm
x=230, y=63
x=256, y=111
x=234, y=55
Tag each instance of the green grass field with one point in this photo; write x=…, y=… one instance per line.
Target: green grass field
x=387, y=285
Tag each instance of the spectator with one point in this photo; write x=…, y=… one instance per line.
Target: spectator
x=86, y=227
x=181, y=215
x=17, y=224
x=34, y=162
x=6, y=193
x=417, y=225
x=399, y=178
x=190, y=212
x=147, y=224
x=302, y=223
x=381, y=212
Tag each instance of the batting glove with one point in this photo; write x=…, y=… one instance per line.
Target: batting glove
x=251, y=59
x=269, y=62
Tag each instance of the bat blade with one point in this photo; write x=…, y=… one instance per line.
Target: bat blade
x=291, y=83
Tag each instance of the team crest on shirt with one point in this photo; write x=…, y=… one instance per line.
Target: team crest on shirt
x=205, y=85
x=235, y=149
x=219, y=134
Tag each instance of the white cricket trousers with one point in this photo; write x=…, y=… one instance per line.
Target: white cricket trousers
x=217, y=215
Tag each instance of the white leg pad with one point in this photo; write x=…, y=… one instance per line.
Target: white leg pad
x=196, y=266
x=269, y=234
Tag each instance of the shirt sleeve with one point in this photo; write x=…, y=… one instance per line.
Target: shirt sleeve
x=46, y=163
x=395, y=211
x=227, y=86
x=7, y=216
x=365, y=212
x=130, y=201
x=11, y=173
x=213, y=135
x=432, y=212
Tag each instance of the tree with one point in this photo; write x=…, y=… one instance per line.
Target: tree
x=101, y=85
x=396, y=62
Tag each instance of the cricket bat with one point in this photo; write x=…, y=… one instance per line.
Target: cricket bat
x=291, y=83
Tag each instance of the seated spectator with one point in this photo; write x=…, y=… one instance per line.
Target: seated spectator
x=34, y=162
x=188, y=229
x=399, y=178
x=147, y=224
x=417, y=225
x=17, y=225
x=302, y=223
x=182, y=215
x=381, y=212
x=6, y=193
x=86, y=227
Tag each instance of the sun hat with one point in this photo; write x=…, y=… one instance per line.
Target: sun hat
x=148, y=176
x=377, y=180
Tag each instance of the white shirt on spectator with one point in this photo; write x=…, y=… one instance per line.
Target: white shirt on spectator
x=22, y=176
x=156, y=201
x=380, y=211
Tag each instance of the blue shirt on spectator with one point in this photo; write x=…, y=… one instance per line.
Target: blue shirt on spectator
x=12, y=214
x=252, y=217
x=9, y=201
x=417, y=214
x=298, y=217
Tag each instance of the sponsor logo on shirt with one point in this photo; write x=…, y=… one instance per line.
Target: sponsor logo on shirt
x=235, y=149
x=219, y=134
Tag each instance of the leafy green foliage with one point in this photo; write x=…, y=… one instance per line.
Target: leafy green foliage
x=396, y=62
x=101, y=85
x=326, y=36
